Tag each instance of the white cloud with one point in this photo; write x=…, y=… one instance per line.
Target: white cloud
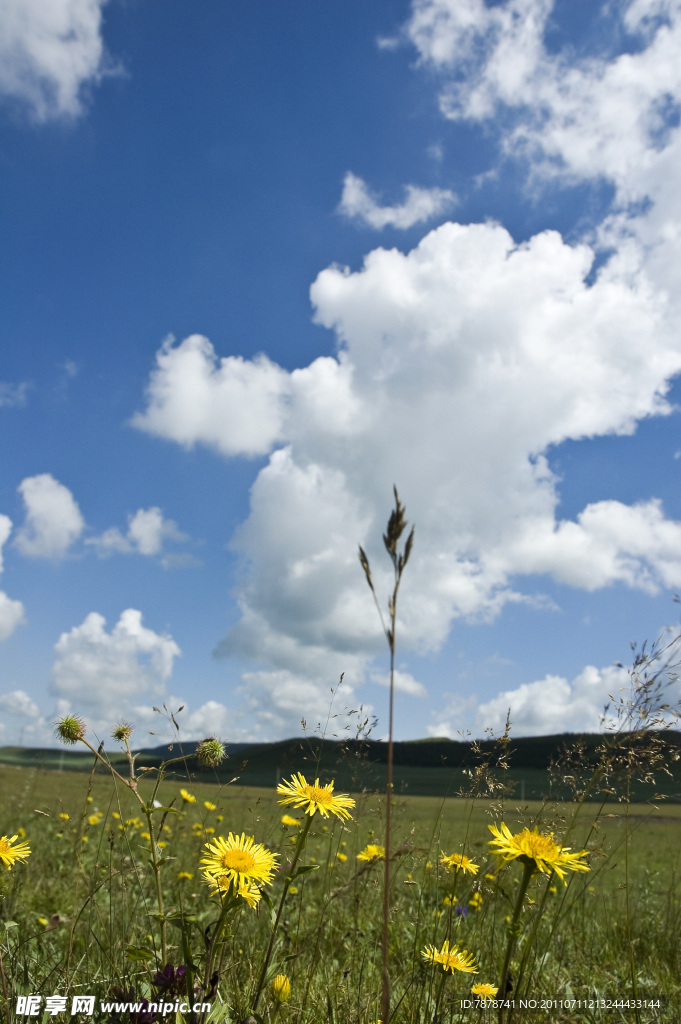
x=11, y=615
x=404, y=683
x=18, y=702
x=234, y=405
x=11, y=612
x=147, y=532
x=103, y=675
x=50, y=50
x=460, y=364
x=600, y=115
x=420, y=204
x=53, y=520
x=12, y=395
x=548, y=706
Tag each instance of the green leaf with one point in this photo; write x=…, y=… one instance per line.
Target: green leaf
x=304, y=869
x=139, y=953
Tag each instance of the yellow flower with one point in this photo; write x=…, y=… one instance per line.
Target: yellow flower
x=21, y=832
x=66, y=817
x=451, y=959
x=448, y=901
x=342, y=857
x=9, y=853
x=301, y=793
x=161, y=844
x=114, y=814
x=534, y=847
x=489, y=877
x=459, y=861
x=223, y=884
x=145, y=835
x=281, y=989
x=372, y=852
x=476, y=901
x=209, y=806
x=553, y=889
x=184, y=874
x=239, y=858
x=292, y=889
x=188, y=798
x=286, y=819
x=94, y=819
x=484, y=991
x=43, y=921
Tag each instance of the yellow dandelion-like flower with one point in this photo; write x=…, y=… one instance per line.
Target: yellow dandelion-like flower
x=540, y=849
x=224, y=885
x=94, y=819
x=372, y=852
x=209, y=806
x=476, y=901
x=292, y=889
x=342, y=857
x=239, y=858
x=459, y=862
x=484, y=991
x=9, y=854
x=452, y=959
x=301, y=793
x=281, y=989
x=145, y=835
x=188, y=797
x=43, y=921
x=67, y=817
x=184, y=874
x=286, y=819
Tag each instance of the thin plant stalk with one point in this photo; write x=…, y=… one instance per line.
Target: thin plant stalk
x=396, y=526
x=513, y=930
x=4, y=990
x=287, y=882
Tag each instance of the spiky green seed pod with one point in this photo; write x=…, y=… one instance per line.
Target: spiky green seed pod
x=210, y=752
x=70, y=729
x=122, y=732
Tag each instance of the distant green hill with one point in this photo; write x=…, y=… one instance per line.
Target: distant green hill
x=422, y=767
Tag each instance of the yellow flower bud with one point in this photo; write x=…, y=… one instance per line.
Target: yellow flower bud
x=281, y=988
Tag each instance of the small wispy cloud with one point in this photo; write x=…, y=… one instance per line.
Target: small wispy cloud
x=148, y=530
x=420, y=204
x=12, y=395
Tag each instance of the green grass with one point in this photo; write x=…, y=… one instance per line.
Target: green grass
x=93, y=884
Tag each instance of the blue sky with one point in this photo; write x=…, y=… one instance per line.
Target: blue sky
x=260, y=262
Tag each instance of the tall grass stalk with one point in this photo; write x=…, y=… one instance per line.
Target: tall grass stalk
x=391, y=538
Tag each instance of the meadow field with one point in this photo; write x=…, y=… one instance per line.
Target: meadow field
x=80, y=914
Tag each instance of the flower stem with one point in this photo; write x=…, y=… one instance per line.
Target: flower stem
x=159, y=892
x=528, y=870
x=287, y=882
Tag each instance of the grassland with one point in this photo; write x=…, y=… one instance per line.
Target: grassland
x=78, y=916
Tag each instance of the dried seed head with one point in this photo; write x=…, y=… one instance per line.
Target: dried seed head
x=70, y=729
x=211, y=752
